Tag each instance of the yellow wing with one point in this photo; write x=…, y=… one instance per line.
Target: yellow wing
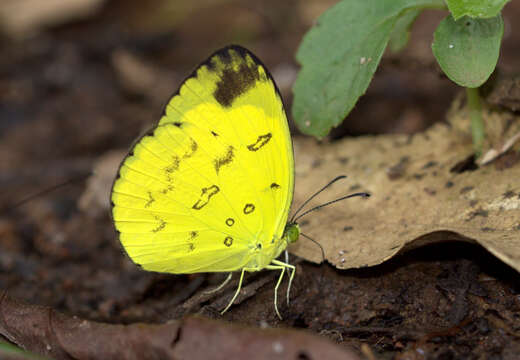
x=210, y=187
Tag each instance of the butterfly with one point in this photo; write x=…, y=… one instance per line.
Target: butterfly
x=209, y=188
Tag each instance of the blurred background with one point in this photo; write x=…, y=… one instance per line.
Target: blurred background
x=80, y=78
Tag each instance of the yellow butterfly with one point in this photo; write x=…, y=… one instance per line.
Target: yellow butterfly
x=209, y=188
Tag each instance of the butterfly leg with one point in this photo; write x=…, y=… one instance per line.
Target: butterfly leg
x=291, y=268
x=290, y=281
x=236, y=292
x=220, y=286
x=277, y=267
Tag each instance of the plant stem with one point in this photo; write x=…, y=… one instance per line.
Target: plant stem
x=477, y=124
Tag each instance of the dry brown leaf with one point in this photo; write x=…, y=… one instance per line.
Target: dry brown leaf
x=414, y=195
x=95, y=199
x=137, y=76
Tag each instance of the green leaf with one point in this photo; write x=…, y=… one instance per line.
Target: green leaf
x=475, y=8
x=401, y=32
x=467, y=50
x=14, y=352
x=339, y=56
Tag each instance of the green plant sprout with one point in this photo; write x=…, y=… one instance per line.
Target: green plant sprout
x=340, y=55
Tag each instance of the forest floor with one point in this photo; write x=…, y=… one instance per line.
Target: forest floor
x=72, y=94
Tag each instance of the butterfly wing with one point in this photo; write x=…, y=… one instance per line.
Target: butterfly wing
x=212, y=183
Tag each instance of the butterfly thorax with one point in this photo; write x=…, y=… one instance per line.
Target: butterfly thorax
x=263, y=255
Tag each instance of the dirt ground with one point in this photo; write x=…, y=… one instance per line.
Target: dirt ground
x=71, y=93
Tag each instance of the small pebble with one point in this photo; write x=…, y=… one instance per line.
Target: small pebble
x=277, y=347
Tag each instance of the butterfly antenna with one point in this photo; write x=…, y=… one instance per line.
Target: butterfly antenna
x=293, y=219
x=44, y=192
x=362, y=194
x=317, y=243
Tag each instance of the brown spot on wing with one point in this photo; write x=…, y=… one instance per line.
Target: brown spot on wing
x=174, y=166
x=205, y=196
x=167, y=189
x=235, y=82
x=150, y=200
x=228, y=241
x=261, y=141
x=224, y=160
x=170, y=169
x=176, y=160
x=191, y=245
x=162, y=224
x=193, y=148
x=249, y=208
